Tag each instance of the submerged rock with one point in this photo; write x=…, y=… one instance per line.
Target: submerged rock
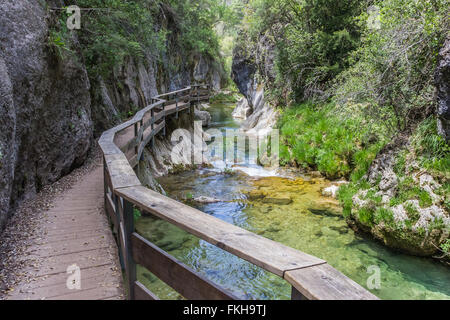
x=255, y=195
x=331, y=191
x=206, y=200
x=278, y=199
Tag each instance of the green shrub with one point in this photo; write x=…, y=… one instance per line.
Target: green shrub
x=366, y=216
x=381, y=73
x=413, y=213
x=313, y=39
x=384, y=215
x=446, y=246
x=431, y=149
x=115, y=30
x=318, y=139
x=345, y=196
x=137, y=214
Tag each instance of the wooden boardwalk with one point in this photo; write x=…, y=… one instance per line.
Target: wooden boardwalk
x=75, y=232
x=122, y=147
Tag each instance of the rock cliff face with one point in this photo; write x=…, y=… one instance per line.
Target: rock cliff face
x=45, y=122
x=416, y=225
x=51, y=111
x=443, y=91
x=252, y=69
x=167, y=156
x=134, y=83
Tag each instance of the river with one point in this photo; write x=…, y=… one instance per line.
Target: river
x=310, y=223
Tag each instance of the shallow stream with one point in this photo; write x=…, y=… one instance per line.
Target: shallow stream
x=291, y=210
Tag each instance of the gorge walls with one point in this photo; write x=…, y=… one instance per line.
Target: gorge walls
x=52, y=107
x=253, y=71
x=45, y=124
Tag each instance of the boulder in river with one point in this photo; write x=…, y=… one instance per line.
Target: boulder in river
x=442, y=81
x=206, y=200
x=278, y=199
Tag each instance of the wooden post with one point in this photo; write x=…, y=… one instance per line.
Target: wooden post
x=130, y=266
x=164, y=110
x=153, y=119
x=153, y=126
x=296, y=295
x=190, y=99
x=176, y=107
x=116, y=201
x=136, y=130
x=105, y=183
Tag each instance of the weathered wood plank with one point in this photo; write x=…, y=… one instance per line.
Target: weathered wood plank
x=162, y=96
x=120, y=171
x=141, y=293
x=296, y=295
x=172, y=108
x=128, y=229
x=131, y=144
x=180, y=277
x=323, y=282
x=134, y=161
x=265, y=253
x=108, y=146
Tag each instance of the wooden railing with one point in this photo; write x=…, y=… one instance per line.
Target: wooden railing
x=122, y=146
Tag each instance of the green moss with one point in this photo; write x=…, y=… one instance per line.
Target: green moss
x=445, y=192
x=366, y=216
x=446, y=246
x=431, y=149
x=345, y=195
x=316, y=138
x=409, y=190
x=436, y=224
x=371, y=195
x=400, y=163
x=413, y=213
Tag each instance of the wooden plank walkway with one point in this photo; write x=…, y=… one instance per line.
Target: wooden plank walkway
x=75, y=232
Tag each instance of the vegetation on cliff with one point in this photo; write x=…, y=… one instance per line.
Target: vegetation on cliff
x=358, y=80
x=114, y=30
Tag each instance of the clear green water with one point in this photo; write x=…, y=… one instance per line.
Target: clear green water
x=311, y=223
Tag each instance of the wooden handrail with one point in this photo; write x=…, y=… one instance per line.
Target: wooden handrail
x=122, y=147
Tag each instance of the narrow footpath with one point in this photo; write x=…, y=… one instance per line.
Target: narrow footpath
x=72, y=235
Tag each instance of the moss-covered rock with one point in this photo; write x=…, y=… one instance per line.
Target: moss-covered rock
x=400, y=203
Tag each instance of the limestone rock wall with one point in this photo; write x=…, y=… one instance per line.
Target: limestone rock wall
x=252, y=71
x=45, y=120
x=51, y=111
x=442, y=80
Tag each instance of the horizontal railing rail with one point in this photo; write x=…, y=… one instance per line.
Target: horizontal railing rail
x=122, y=147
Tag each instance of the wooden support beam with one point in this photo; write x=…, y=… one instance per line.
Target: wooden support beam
x=310, y=277
x=128, y=229
x=142, y=293
x=180, y=277
x=267, y=254
x=323, y=282
x=296, y=295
